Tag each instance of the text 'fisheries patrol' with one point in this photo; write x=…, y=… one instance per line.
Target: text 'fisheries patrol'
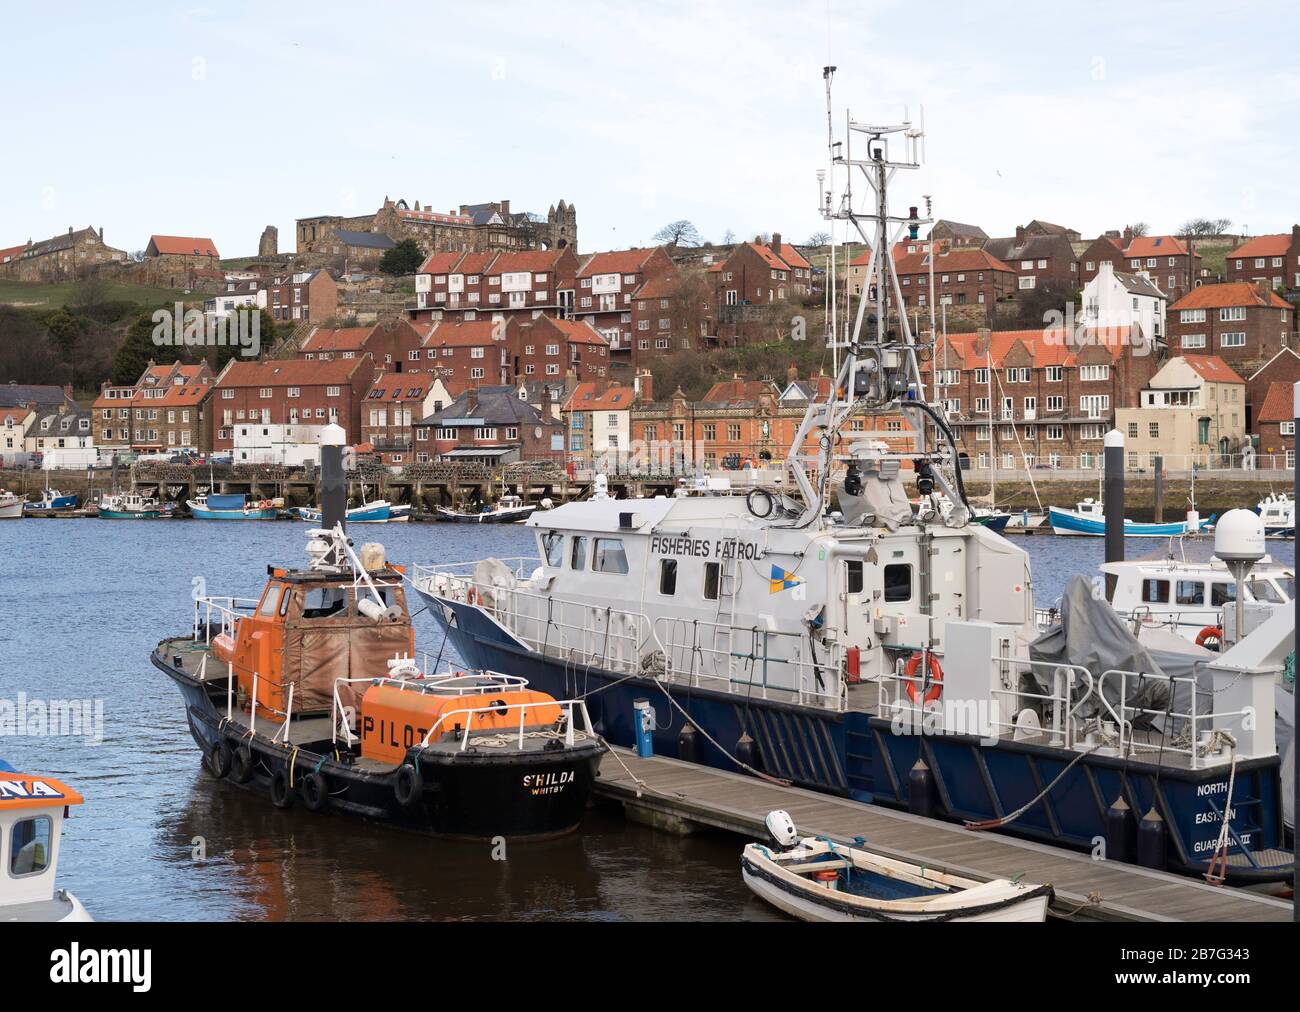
x=705, y=548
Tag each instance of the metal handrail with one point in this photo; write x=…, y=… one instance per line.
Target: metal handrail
x=568, y=706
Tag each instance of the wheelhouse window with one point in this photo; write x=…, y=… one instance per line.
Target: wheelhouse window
x=1190, y=592
x=610, y=556
x=29, y=846
x=1155, y=591
x=853, y=576
x=668, y=577
x=271, y=599
x=578, y=556
x=553, y=548
x=712, y=580
x=1222, y=593
x=324, y=602
x=1262, y=590
x=898, y=583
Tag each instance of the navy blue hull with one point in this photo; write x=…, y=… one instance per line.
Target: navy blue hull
x=860, y=756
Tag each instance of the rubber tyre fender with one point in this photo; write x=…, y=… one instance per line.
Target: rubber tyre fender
x=241, y=765
x=408, y=788
x=315, y=792
x=217, y=760
x=282, y=795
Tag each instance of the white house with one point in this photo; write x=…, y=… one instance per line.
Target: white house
x=268, y=443
x=1116, y=300
x=64, y=438
x=14, y=423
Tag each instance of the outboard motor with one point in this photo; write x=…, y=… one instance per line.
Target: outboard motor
x=781, y=828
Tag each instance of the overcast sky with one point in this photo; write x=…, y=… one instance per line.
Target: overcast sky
x=217, y=120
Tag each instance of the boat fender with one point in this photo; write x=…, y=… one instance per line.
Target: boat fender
x=281, y=792
x=219, y=759
x=1210, y=632
x=745, y=752
x=688, y=750
x=1151, y=841
x=315, y=792
x=936, y=678
x=409, y=785
x=241, y=765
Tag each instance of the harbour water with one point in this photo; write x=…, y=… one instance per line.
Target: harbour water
x=82, y=602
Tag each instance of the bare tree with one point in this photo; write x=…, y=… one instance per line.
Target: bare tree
x=1140, y=228
x=819, y=239
x=728, y=238
x=679, y=233
x=1201, y=228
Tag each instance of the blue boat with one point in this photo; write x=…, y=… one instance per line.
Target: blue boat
x=1090, y=521
x=52, y=499
x=233, y=507
x=378, y=512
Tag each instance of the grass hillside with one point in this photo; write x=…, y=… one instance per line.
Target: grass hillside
x=32, y=295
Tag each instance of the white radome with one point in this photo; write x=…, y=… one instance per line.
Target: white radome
x=1239, y=536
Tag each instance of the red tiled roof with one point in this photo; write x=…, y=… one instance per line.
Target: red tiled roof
x=658, y=286
x=1155, y=246
x=1212, y=368
x=289, y=372
x=344, y=339
x=1277, y=406
x=737, y=389
x=1233, y=293
x=579, y=331
x=474, y=263
x=524, y=260
x=183, y=245
x=13, y=251
x=1262, y=246
x=770, y=258
x=398, y=385
x=1048, y=347
x=793, y=257
x=463, y=334
x=952, y=260
x=621, y=261
x=439, y=263
x=587, y=397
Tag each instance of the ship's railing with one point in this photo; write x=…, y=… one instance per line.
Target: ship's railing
x=227, y=611
x=586, y=635
x=1193, y=730
x=569, y=707
x=759, y=662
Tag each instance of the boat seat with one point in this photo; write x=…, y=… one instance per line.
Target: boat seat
x=811, y=866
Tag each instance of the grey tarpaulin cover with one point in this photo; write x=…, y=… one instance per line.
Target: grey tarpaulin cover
x=1284, y=731
x=1091, y=635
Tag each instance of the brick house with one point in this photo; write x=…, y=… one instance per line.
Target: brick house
x=306, y=295
x=1105, y=249
x=1037, y=259
x=1272, y=259
x=1284, y=367
x=472, y=354
x=163, y=410
x=394, y=402
x=606, y=284
x=1171, y=262
x=394, y=347
x=549, y=349
x=962, y=277
x=488, y=425
x=1030, y=396
x=289, y=392
x=1246, y=324
x=521, y=285
x=955, y=233
x=1274, y=427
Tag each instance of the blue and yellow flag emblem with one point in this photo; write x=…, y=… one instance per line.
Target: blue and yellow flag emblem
x=782, y=580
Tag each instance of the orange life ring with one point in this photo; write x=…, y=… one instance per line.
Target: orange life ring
x=1210, y=632
x=470, y=596
x=936, y=678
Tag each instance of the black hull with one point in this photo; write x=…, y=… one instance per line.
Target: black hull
x=465, y=795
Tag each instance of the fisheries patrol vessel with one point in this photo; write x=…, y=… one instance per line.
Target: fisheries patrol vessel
x=891, y=657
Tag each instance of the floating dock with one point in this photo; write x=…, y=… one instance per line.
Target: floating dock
x=676, y=795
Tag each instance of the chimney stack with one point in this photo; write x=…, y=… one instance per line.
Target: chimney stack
x=471, y=399
x=792, y=373
x=644, y=386
x=776, y=243
x=1020, y=233
x=1128, y=233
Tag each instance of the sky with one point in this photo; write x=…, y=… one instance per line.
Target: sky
x=218, y=119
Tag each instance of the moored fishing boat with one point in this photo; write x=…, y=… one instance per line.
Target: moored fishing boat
x=11, y=505
x=1089, y=519
x=1277, y=510
x=32, y=813
x=131, y=506
x=212, y=506
x=380, y=511
x=815, y=879
x=311, y=694
x=510, y=509
x=52, y=501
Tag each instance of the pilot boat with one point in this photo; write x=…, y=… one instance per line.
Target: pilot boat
x=1278, y=513
x=211, y=506
x=32, y=813
x=311, y=694
x=11, y=505
x=510, y=509
x=820, y=632
x=814, y=879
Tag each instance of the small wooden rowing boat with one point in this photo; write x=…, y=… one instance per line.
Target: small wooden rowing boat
x=815, y=879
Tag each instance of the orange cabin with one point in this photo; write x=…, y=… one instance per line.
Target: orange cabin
x=308, y=633
x=394, y=719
